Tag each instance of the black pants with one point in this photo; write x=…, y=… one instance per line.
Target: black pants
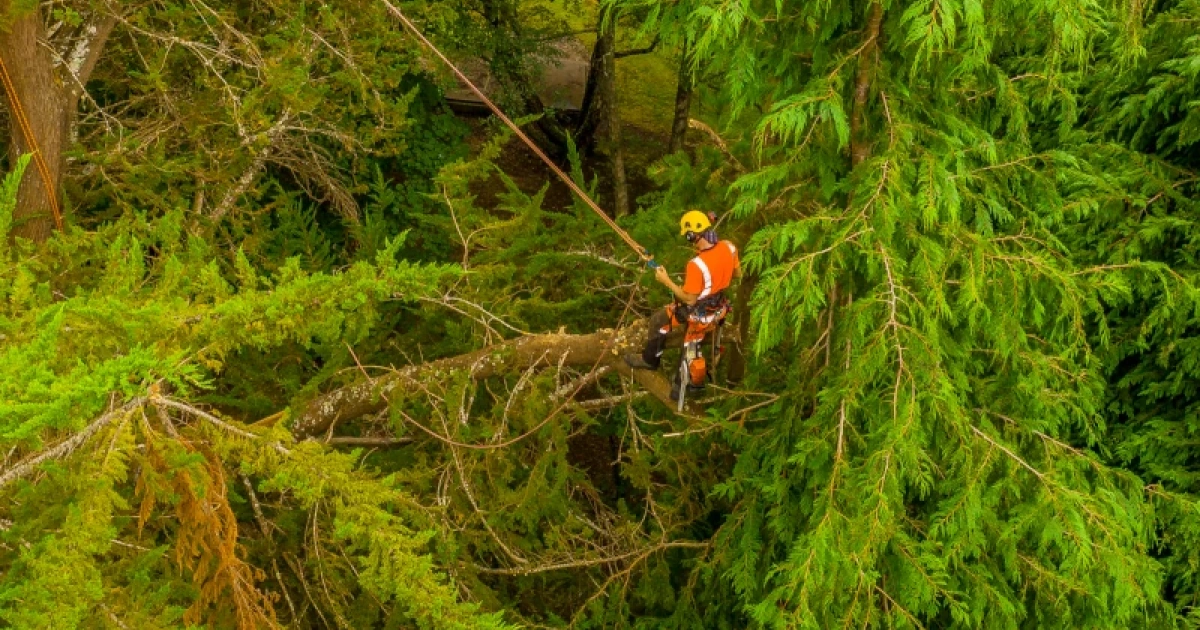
x=656, y=337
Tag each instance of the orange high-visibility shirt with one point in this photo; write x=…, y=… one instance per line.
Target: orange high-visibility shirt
x=712, y=270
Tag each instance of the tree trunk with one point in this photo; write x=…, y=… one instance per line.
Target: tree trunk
x=612, y=118
x=739, y=350
x=683, y=100
x=48, y=95
x=599, y=108
x=620, y=184
x=590, y=109
x=45, y=104
x=860, y=149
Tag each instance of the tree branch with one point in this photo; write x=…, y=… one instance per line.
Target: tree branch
x=68, y=445
x=243, y=183
x=638, y=51
x=314, y=172
x=86, y=53
x=716, y=138
x=860, y=149
x=377, y=442
x=531, y=351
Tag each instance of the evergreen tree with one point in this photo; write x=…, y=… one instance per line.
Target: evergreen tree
x=1147, y=113
x=932, y=459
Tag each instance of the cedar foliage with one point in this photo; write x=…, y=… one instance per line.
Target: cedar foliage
x=970, y=403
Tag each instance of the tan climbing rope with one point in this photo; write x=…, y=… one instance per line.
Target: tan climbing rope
x=641, y=251
x=18, y=113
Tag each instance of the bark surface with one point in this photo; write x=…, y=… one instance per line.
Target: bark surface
x=48, y=93
x=599, y=108
x=608, y=90
x=683, y=101
x=44, y=101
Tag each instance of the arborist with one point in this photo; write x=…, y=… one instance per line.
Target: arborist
x=700, y=303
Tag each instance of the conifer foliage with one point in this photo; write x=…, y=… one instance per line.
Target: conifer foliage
x=328, y=365
x=936, y=458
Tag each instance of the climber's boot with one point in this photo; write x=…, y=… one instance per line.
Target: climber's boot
x=636, y=362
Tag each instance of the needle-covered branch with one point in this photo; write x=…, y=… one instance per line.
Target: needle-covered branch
x=66, y=447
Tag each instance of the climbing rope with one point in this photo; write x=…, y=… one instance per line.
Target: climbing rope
x=641, y=251
x=23, y=122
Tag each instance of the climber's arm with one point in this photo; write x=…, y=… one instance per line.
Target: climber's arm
x=664, y=278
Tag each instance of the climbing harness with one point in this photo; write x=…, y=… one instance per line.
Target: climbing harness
x=642, y=252
x=704, y=317
x=18, y=113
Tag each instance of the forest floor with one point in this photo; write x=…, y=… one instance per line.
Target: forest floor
x=646, y=111
x=643, y=146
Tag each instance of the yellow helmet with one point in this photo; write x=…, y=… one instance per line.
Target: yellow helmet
x=695, y=222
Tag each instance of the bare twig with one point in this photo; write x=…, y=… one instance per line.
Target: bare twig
x=575, y=386
x=612, y=401
x=219, y=423
x=378, y=442
x=454, y=217
x=462, y=477
x=1037, y=473
x=243, y=183
x=716, y=138
x=582, y=564
x=298, y=570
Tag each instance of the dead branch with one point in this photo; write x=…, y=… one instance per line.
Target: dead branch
x=466, y=486
x=717, y=140
x=265, y=527
x=611, y=401
x=256, y=507
x=315, y=173
x=219, y=423
x=298, y=570
x=572, y=388
x=273, y=136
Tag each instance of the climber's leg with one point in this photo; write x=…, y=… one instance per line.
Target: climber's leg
x=656, y=340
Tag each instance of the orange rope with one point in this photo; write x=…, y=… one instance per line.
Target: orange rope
x=23, y=122
x=641, y=251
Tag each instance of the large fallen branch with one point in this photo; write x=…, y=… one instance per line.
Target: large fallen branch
x=601, y=348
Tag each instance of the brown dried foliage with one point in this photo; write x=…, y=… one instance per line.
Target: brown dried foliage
x=206, y=538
